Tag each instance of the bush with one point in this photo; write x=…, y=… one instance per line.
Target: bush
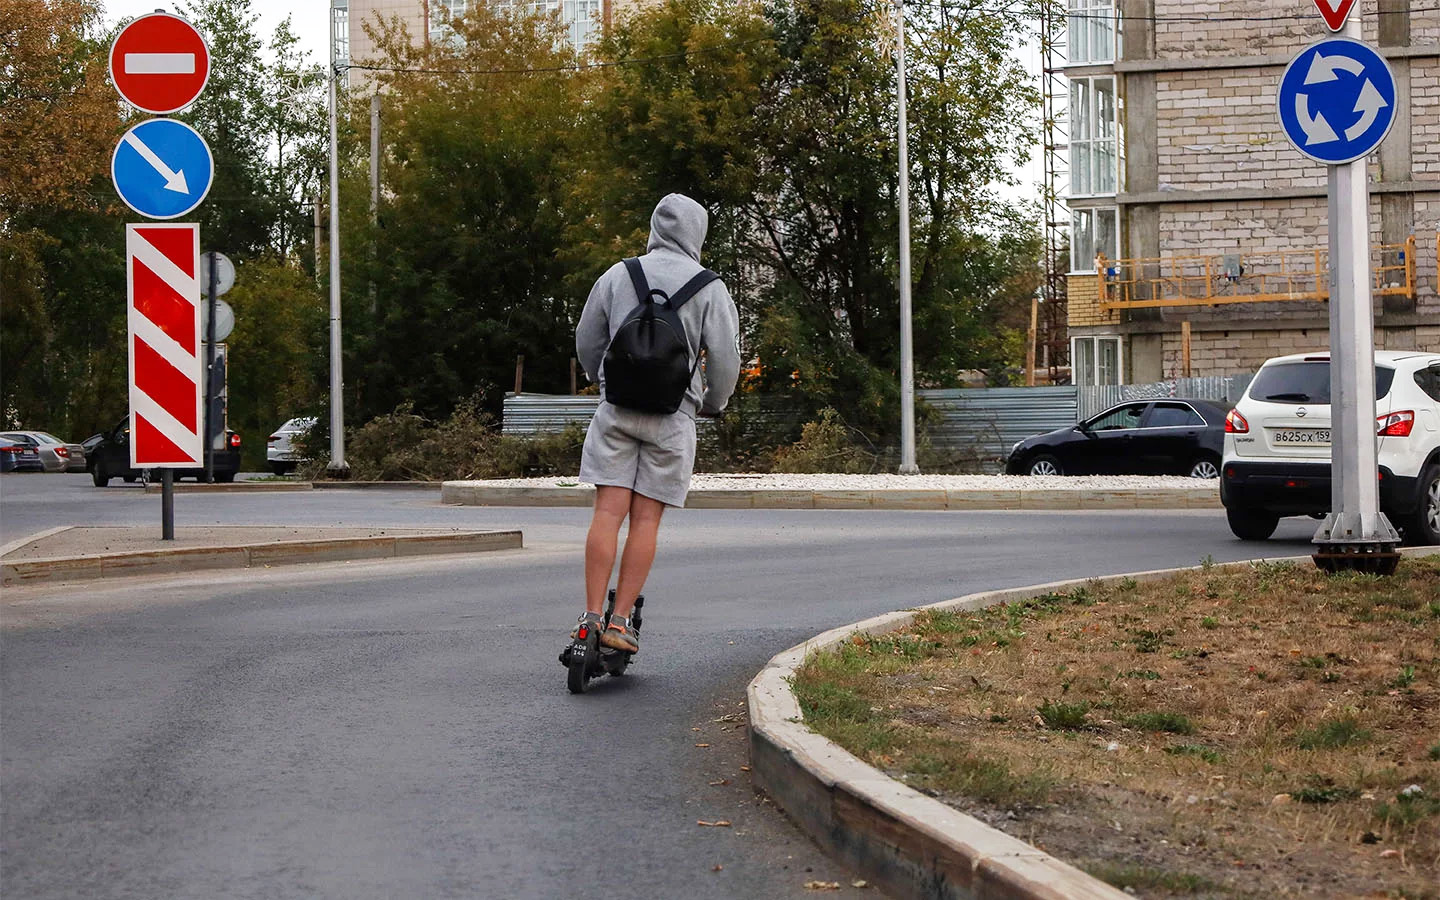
x=826, y=445
x=405, y=446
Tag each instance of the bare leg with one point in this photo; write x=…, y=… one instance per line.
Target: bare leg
x=612, y=504
x=639, y=553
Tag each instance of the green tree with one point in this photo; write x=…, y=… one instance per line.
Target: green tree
x=465, y=261
x=782, y=118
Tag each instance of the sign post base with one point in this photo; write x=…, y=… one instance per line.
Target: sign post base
x=167, y=504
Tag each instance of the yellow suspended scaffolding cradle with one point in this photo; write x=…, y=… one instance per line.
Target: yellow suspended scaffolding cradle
x=1143, y=283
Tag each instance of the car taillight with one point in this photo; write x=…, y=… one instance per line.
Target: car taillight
x=1396, y=424
x=1235, y=423
x=272, y=439
x=234, y=440
x=61, y=451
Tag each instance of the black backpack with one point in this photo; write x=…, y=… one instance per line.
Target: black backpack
x=647, y=365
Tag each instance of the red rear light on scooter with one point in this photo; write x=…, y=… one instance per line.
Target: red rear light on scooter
x=234, y=440
x=1396, y=424
x=1235, y=423
x=583, y=633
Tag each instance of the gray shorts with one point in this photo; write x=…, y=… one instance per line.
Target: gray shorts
x=650, y=454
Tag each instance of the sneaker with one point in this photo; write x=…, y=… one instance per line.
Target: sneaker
x=620, y=634
x=594, y=620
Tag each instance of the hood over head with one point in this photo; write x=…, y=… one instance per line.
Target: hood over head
x=679, y=225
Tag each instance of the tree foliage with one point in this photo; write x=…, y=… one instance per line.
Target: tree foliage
x=62, y=258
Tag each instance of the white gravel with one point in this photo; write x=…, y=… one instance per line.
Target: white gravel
x=741, y=482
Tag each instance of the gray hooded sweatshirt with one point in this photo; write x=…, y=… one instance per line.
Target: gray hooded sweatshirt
x=677, y=230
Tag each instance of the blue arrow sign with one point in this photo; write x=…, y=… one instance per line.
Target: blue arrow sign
x=162, y=168
x=1337, y=100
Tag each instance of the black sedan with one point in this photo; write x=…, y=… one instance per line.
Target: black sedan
x=1142, y=437
x=109, y=458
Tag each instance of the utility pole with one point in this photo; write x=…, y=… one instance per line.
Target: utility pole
x=374, y=192
x=336, y=467
x=907, y=361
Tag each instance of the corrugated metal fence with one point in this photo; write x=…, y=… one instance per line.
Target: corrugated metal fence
x=983, y=423
x=975, y=424
x=1220, y=388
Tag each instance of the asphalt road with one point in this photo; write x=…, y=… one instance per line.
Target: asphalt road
x=401, y=729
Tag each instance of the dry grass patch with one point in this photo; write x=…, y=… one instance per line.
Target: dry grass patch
x=1271, y=730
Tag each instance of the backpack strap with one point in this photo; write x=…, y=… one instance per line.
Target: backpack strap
x=691, y=288
x=637, y=278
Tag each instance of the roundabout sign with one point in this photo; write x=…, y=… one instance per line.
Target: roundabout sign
x=1337, y=100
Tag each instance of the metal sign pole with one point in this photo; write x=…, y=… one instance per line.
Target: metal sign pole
x=167, y=504
x=907, y=361
x=210, y=366
x=1356, y=534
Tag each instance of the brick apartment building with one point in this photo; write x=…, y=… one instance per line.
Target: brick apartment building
x=584, y=20
x=1202, y=216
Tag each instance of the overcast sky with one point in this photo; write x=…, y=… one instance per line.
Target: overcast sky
x=308, y=21
x=307, y=18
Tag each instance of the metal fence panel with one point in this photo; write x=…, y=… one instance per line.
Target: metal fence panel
x=540, y=413
x=985, y=422
x=1096, y=399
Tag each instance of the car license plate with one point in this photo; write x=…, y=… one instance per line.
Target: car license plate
x=1311, y=436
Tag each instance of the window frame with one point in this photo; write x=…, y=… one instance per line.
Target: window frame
x=1088, y=18
x=1088, y=137
x=1088, y=266
x=1094, y=340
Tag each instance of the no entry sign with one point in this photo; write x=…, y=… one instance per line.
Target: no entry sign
x=159, y=63
x=161, y=265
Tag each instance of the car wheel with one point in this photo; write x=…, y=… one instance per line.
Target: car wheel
x=1045, y=464
x=97, y=475
x=1251, y=524
x=1205, y=467
x=1423, y=526
x=224, y=477
x=281, y=468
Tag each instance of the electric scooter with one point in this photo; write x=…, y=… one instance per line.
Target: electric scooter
x=586, y=658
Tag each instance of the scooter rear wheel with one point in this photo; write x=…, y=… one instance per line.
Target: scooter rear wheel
x=579, y=665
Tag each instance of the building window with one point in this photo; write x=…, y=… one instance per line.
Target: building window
x=442, y=13
x=581, y=18
x=1094, y=149
x=340, y=30
x=1091, y=33
x=1093, y=230
x=1096, y=360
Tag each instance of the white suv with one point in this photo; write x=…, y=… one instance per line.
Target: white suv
x=1277, y=444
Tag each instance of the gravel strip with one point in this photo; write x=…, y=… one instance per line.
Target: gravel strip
x=744, y=482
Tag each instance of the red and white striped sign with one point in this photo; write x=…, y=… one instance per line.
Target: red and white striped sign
x=162, y=265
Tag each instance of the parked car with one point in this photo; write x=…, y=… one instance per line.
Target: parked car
x=1277, y=444
x=19, y=457
x=280, y=450
x=52, y=458
x=73, y=455
x=1142, y=437
x=110, y=458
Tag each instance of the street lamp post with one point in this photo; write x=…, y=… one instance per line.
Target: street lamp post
x=907, y=361
x=336, y=466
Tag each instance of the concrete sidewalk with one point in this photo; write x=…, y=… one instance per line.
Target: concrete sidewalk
x=74, y=553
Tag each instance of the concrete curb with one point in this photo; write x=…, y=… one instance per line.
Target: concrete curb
x=239, y=556
x=908, y=843
x=232, y=487
x=469, y=493
x=284, y=486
